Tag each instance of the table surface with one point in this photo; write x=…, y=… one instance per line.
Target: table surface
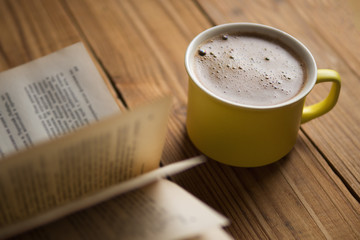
x=139, y=45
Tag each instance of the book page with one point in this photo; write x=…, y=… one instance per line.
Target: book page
x=159, y=211
x=100, y=196
x=85, y=161
x=213, y=234
x=50, y=96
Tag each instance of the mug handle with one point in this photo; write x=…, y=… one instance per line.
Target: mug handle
x=320, y=108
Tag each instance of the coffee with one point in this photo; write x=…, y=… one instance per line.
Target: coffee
x=249, y=69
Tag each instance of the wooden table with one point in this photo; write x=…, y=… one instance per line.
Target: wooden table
x=312, y=193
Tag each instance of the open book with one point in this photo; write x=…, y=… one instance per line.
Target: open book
x=73, y=166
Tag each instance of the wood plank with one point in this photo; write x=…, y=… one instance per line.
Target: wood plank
x=23, y=38
x=144, y=53
x=335, y=22
x=336, y=133
x=298, y=197
x=120, y=48
x=236, y=192
x=138, y=43
x=31, y=29
x=154, y=60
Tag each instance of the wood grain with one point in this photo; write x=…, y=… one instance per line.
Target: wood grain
x=284, y=200
x=23, y=38
x=32, y=29
x=152, y=68
x=140, y=44
x=328, y=29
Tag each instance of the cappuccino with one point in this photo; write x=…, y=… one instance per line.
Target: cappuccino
x=249, y=69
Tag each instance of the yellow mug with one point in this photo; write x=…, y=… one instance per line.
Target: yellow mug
x=250, y=136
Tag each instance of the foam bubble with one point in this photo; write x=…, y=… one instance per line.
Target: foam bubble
x=250, y=63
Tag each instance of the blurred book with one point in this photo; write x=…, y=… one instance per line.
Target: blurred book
x=75, y=166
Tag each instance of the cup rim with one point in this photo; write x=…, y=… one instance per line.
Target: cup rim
x=290, y=41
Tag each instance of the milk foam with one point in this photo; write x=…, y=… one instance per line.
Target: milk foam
x=249, y=69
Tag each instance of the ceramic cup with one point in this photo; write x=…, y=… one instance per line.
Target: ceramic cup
x=244, y=135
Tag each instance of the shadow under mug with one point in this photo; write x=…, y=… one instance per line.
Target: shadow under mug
x=250, y=136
